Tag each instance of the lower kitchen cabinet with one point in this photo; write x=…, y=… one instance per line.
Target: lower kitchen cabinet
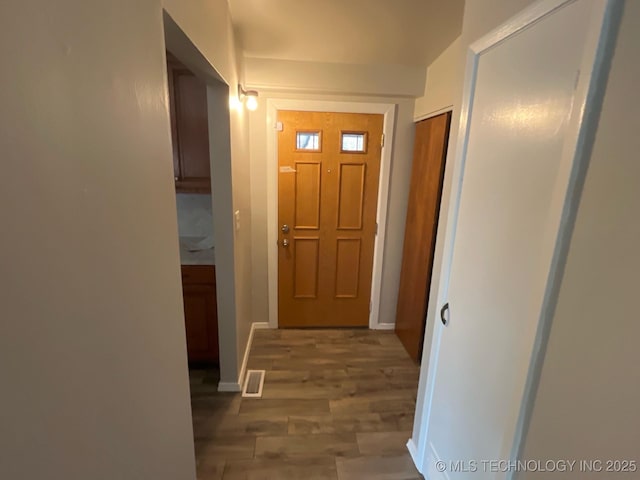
x=200, y=313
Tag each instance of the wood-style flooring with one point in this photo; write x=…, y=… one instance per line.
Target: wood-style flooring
x=337, y=404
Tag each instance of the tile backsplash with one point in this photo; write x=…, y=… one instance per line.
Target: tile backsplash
x=195, y=216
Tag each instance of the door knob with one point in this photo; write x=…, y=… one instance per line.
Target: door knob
x=285, y=228
x=285, y=242
x=443, y=314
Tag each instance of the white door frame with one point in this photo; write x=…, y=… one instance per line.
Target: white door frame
x=389, y=112
x=581, y=129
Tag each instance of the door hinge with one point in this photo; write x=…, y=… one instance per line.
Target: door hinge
x=370, y=307
x=376, y=228
x=382, y=140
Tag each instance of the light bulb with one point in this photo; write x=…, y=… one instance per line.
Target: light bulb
x=252, y=102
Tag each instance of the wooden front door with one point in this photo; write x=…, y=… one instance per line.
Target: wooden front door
x=329, y=165
x=429, y=152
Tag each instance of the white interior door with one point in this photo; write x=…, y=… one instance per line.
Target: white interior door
x=520, y=157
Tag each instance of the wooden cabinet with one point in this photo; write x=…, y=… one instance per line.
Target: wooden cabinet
x=200, y=312
x=189, y=129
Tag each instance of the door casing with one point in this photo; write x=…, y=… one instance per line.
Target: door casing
x=589, y=92
x=389, y=112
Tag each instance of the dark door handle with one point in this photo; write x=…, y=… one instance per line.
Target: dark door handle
x=443, y=311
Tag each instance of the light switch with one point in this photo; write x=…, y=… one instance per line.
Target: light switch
x=236, y=216
x=279, y=126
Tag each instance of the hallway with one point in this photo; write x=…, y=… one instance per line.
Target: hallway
x=337, y=404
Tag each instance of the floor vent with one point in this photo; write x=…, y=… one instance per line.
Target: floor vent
x=253, y=383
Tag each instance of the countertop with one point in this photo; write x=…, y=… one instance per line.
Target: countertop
x=197, y=251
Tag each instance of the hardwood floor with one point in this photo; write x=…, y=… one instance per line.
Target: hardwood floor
x=337, y=404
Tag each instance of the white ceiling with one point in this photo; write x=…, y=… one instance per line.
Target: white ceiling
x=393, y=32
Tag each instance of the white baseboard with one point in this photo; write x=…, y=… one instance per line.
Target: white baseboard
x=385, y=326
x=237, y=386
x=259, y=325
x=229, y=387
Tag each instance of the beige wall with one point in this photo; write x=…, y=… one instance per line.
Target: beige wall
x=334, y=78
x=400, y=174
x=443, y=79
x=207, y=23
x=92, y=344
x=589, y=392
x=482, y=16
x=444, y=76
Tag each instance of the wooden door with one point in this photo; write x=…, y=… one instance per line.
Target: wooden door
x=429, y=153
x=329, y=165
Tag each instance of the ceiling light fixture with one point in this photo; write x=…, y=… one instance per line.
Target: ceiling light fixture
x=248, y=97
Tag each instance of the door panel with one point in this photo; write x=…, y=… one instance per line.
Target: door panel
x=200, y=312
x=196, y=308
x=347, y=267
x=305, y=283
x=505, y=236
x=307, y=196
x=327, y=196
x=429, y=153
x=351, y=196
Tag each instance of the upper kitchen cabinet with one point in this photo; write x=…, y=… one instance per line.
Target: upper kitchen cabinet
x=189, y=129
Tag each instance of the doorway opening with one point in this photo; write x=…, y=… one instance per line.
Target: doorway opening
x=201, y=137
x=192, y=175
